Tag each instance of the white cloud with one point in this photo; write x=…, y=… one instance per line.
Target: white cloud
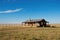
x=11, y=11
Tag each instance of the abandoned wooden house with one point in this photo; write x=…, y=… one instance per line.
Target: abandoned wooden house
x=36, y=23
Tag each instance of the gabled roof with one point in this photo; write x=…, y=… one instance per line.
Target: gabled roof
x=34, y=20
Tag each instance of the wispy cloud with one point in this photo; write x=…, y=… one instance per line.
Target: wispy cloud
x=11, y=11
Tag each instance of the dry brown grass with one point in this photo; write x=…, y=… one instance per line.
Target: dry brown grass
x=25, y=33
x=57, y=25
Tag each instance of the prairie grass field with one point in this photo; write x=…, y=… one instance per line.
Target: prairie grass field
x=29, y=33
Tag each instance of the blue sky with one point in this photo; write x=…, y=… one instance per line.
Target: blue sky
x=16, y=11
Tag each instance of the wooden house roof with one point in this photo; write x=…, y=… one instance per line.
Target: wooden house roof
x=35, y=20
